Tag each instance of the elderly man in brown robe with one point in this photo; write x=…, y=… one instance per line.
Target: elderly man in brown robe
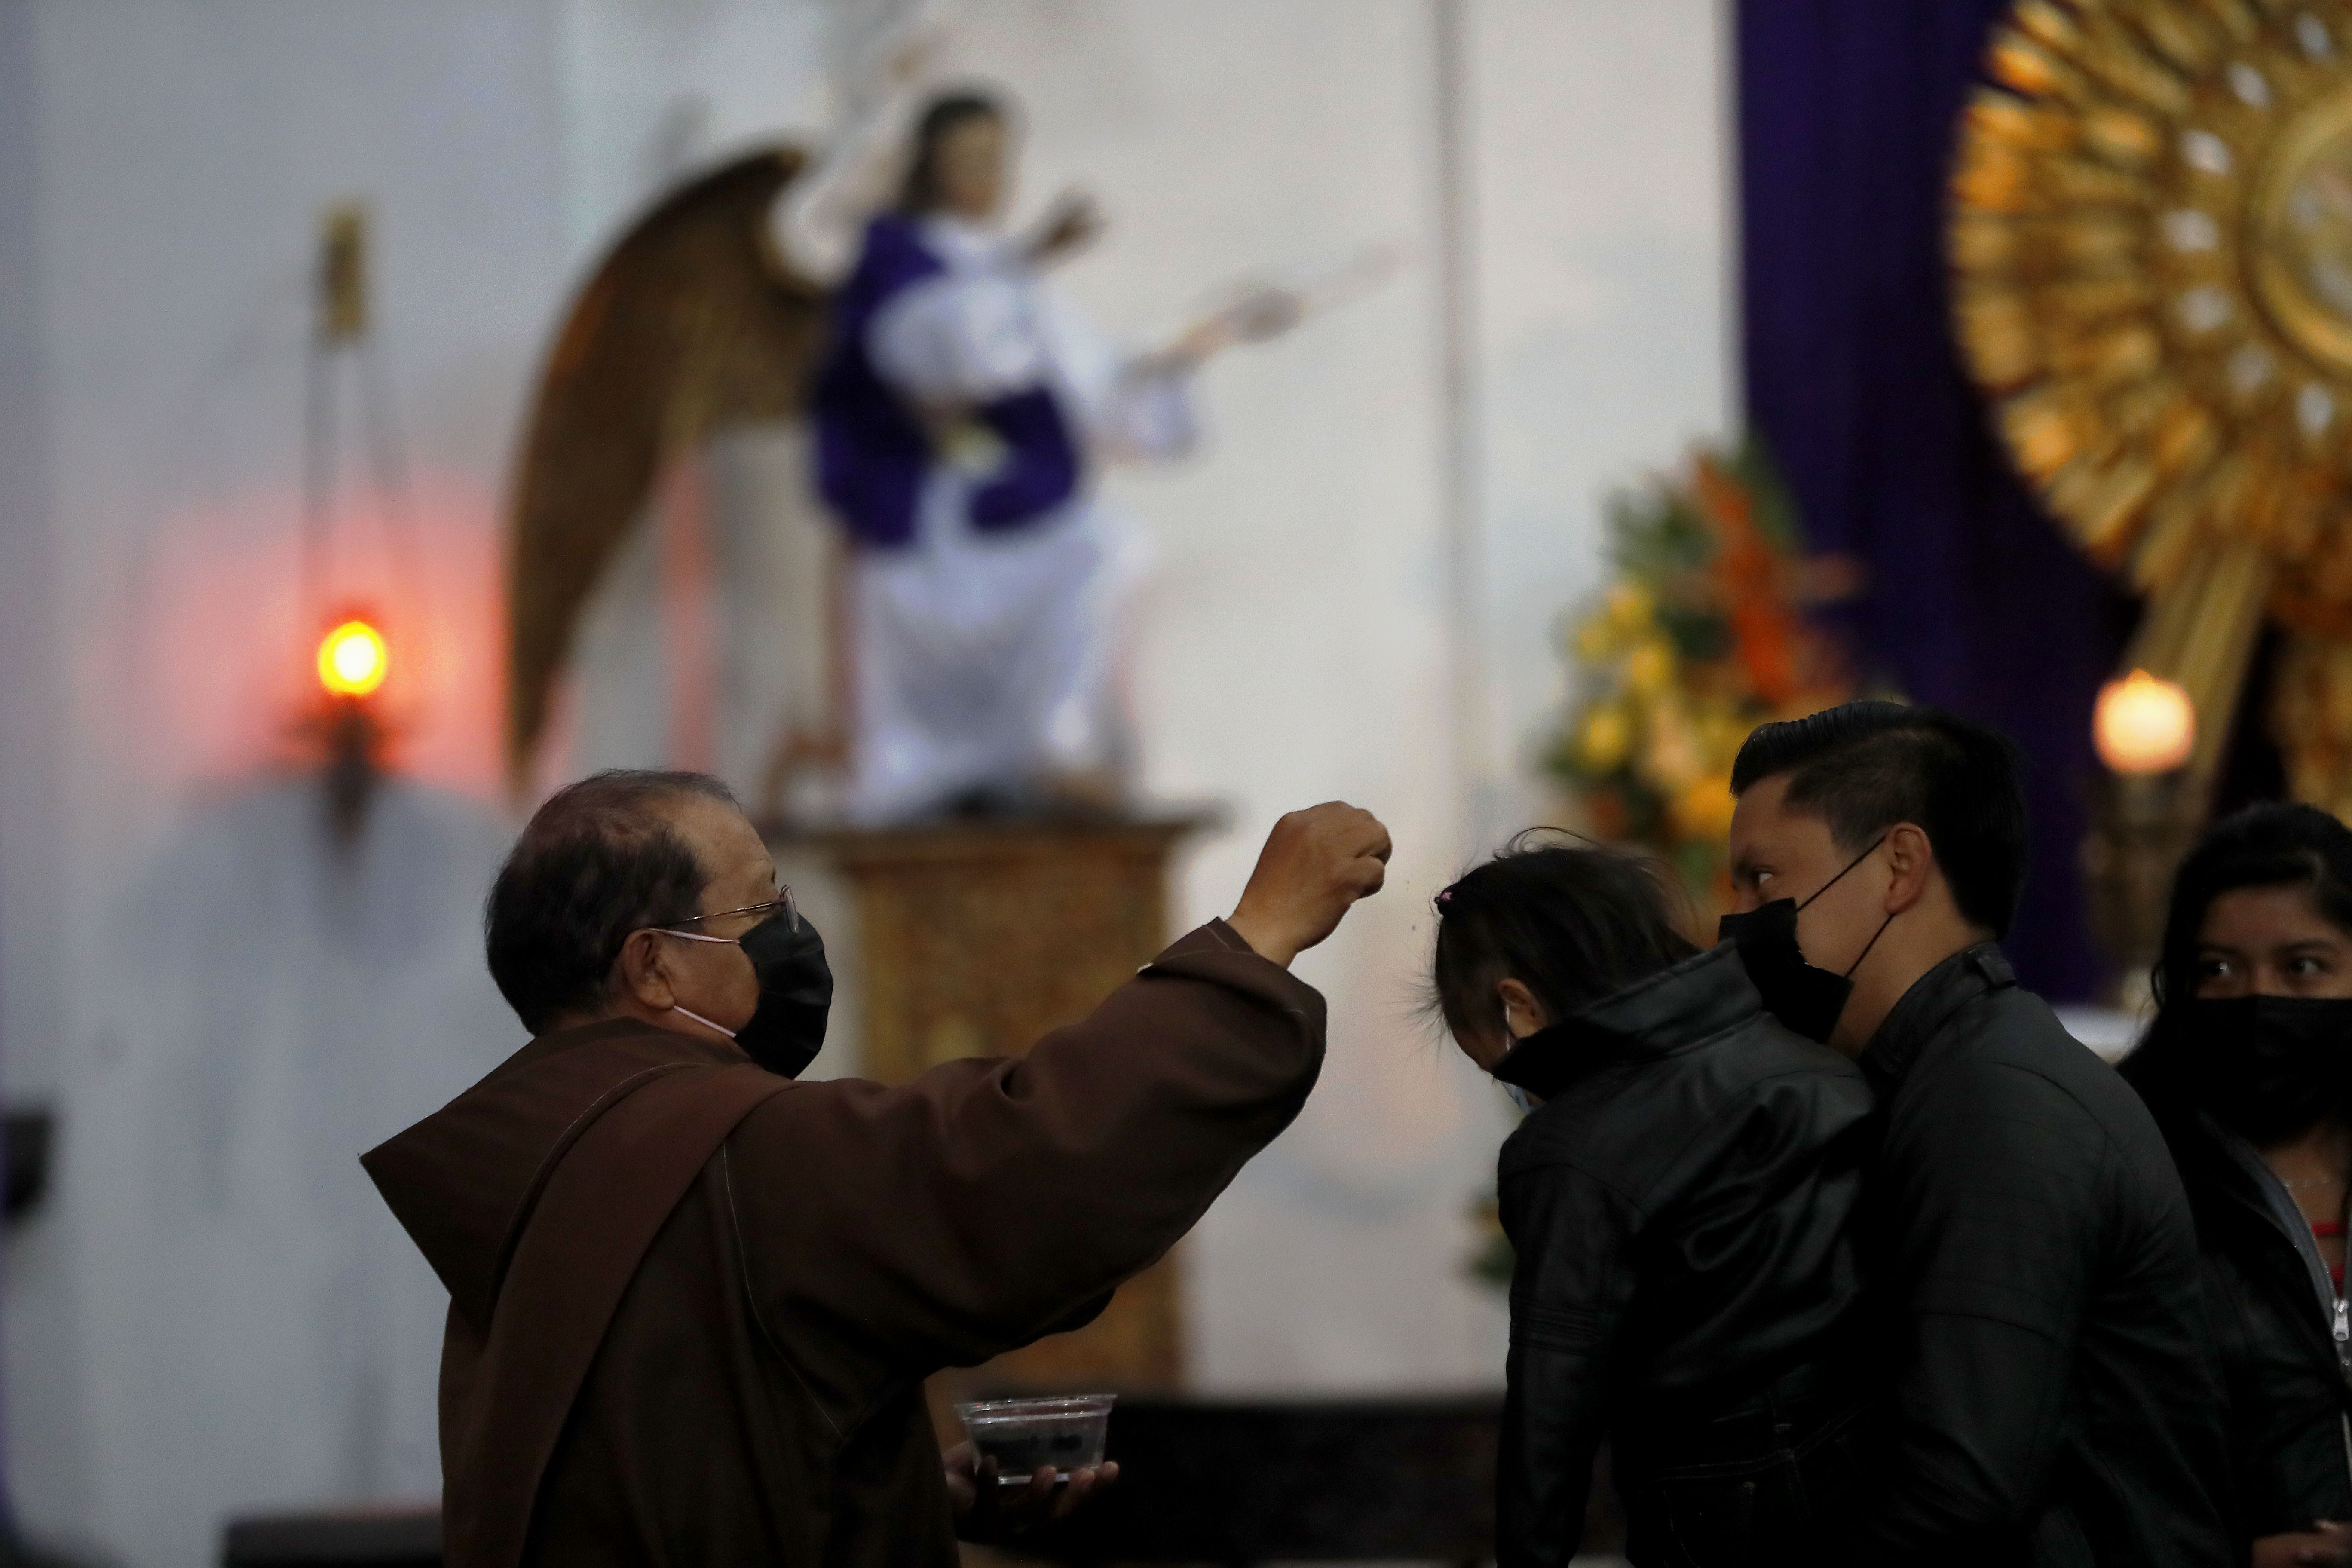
x=693, y=1302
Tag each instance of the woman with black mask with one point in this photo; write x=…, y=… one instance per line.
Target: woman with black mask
x=2248, y=1067
x=1678, y=1202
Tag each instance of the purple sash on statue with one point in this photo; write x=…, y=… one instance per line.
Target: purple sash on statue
x=872, y=454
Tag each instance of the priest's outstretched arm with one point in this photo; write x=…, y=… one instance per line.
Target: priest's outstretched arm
x=998, y=1200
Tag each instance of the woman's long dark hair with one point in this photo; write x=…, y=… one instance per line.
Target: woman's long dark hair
x=2279, y=845
x=1573, y=922
x=919, y=192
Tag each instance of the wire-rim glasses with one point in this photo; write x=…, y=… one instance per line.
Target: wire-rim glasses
x=782, y=901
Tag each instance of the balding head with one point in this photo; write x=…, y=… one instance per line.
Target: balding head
x=617, y=852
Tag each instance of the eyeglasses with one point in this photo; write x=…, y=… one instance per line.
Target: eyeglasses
x=782, y=902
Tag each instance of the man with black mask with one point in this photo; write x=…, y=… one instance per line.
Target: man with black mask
x=693, y=1301
x=2248, y=1067
x=2032, y=1257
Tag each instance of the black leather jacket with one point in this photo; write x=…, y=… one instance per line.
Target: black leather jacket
x=1680, y=1206
x=2034, y=1262
x=2274, y=1317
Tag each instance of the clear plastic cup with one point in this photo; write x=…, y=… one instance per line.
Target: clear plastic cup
x=1024, y=1436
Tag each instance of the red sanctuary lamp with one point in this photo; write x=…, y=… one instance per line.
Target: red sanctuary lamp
x=354, y=659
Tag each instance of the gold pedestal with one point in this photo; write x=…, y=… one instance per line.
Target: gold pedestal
x=980, y=938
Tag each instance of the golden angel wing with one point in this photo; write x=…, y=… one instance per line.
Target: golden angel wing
x=691, y=323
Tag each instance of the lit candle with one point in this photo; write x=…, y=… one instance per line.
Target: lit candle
x=2144, y=724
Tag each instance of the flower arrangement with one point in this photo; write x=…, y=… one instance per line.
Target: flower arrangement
x=1702, y=635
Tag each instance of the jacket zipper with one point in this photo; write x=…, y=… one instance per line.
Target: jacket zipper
x=2287, y=1221
x=2343, y=1333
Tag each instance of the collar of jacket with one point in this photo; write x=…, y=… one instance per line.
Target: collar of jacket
x=1924, y=1009
x=1704, y=995
x=2241, y=1209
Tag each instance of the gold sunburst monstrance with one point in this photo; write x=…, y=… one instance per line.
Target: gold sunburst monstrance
x=2152, y=235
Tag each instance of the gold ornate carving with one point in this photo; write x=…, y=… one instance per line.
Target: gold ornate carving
x=2152, y=241
x=2311, y=704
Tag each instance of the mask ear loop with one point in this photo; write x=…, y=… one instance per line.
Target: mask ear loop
x=1889, y=920
x=1825, y=886
x=1868, y=945
x=1832, y=882
x=698, y=936
x=703, y=1021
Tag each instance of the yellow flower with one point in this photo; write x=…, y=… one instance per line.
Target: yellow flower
x=1650, y=665
x=1607, y=737
x=1672, y=758
x=1596, y=639
x=1631, y=607
x=1702, y=813
x=1721, y=735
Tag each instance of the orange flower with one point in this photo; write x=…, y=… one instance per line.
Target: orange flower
x=1749, y=575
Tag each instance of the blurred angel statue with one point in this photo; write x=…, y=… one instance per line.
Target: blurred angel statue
x=860, y=329
x=958, y=412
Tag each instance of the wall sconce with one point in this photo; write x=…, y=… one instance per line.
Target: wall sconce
x=353, y=656
x=354, y=659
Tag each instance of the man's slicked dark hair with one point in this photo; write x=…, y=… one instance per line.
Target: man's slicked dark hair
x=596, y=862
x=1866, y=766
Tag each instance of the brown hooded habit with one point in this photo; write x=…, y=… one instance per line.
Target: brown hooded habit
x=692, y=1303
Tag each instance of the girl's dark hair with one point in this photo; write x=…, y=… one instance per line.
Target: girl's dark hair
x=919, y=192
x=2277, y=845
x=1573, y=922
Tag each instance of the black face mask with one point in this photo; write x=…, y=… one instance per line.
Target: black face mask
x=787, y=1028
x=1805, y=999
x=2269, y=1066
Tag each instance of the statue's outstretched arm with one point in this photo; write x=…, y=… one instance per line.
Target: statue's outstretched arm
x=818, y=225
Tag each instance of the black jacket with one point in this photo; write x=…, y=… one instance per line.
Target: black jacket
x=2034, y=1266
x=1680, y=1207
x=2272, y=1316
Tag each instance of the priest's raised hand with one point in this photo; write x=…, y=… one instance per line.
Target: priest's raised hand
x=692, y=1300
x=1315, y=864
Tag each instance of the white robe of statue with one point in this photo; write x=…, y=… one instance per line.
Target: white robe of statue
x=986, y=662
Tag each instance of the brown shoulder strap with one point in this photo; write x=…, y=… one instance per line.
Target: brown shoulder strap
x=504, y=1397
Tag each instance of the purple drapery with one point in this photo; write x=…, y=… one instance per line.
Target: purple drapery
x=1847, y=114
x=873, y=455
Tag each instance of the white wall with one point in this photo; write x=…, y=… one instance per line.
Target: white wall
x=1607, y=283
x=1294, y=646
x=181, y=963
x=213, y=1313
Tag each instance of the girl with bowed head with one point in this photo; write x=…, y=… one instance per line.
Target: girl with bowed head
x=1677, y=1200
x=2248, y=1067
